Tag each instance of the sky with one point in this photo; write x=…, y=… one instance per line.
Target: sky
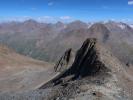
x=66, y=10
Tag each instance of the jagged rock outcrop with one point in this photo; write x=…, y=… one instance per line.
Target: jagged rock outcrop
x=87, y=62
x=64, y=61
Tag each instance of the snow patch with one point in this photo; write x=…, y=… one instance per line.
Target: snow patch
x=131, y=25
x=89, y=25
x=122, y=26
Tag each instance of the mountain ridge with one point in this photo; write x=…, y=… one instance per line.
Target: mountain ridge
x=39, y=40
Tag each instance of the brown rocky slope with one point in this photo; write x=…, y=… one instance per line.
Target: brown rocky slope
x=20, y=73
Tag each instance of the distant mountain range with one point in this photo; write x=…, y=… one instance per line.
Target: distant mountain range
x=47, y=41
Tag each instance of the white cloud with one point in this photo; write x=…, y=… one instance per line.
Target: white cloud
x=46, y=19
x=20, y=19
x=50, y=3
x=53, y=19
x=130, y=2
x=65, y=17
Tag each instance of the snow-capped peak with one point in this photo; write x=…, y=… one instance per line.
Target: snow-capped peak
x=89, y=25
x=131, y=25
x=121, y=25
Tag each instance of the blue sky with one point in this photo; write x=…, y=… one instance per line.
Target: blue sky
x=66, y=10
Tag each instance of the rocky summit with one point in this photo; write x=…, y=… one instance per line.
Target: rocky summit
x=86, y=60
x=86, y=64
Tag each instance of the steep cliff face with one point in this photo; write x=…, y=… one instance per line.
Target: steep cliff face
x=86, y=63
x=87, y=60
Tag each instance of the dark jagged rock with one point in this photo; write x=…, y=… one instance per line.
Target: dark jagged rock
x=87, y=63
x=64, y=61
x=85, y=58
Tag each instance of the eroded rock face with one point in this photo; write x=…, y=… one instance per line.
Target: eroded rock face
x=87, y=63
x=85, y=59
x=64, y=61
